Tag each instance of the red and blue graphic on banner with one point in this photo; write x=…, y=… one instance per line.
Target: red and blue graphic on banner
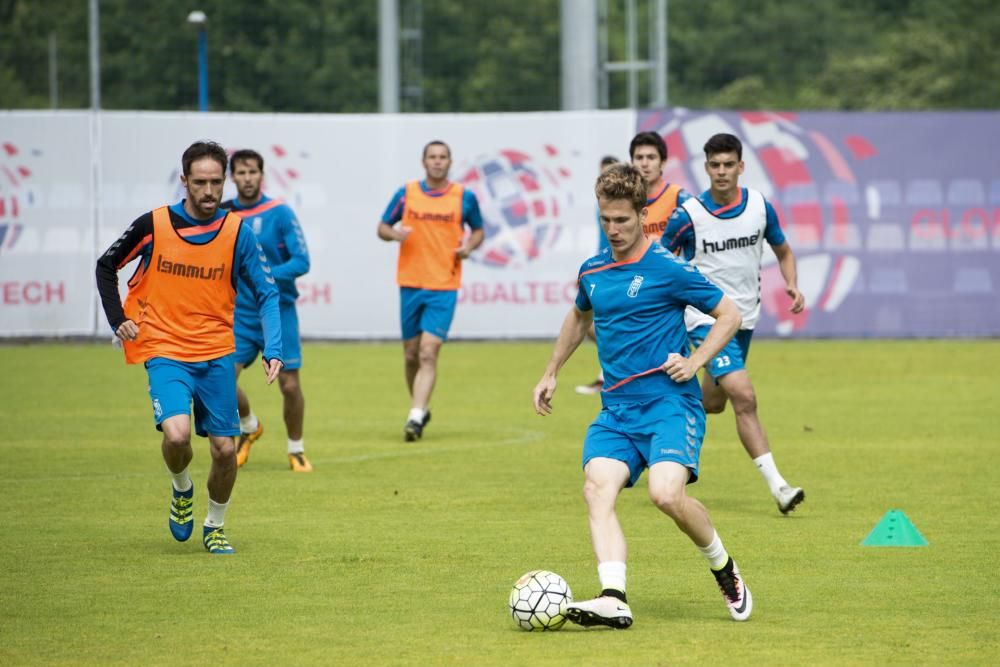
x=894, y=217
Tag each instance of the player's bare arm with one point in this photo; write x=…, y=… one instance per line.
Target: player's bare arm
x=574, y=328
x=789, y=271
x=727, y=323
x=388, y=232
x=474, y=240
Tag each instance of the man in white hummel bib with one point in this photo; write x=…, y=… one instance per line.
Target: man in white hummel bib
x=722, y=232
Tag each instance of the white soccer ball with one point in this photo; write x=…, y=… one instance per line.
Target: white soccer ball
x=538, y=601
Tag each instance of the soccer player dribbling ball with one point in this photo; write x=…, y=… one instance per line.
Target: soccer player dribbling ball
x=651, y=414
x=177, y=321
x=648, y=153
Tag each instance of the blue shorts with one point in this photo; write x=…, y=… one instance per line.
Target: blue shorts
x=665, y=428
x=427, y=310
x=210, y=385
x=733, y=357
x=249, y=336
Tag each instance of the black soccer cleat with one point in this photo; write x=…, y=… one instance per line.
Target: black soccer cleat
x=413, y=431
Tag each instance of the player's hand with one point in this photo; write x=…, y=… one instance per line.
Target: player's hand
x=679, y=367
x=463, y=251
x=271, y=368
x=127, y=330
x=402, y=233
x=544, y=390
x=798, y=301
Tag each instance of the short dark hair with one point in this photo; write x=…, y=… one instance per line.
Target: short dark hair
x=202, y=149
x=723, y=143
x=622, y=181
x=608, y=160
x=648, y=139
x=436, y=142
x=245, y=155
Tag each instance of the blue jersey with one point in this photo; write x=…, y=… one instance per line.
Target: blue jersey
x=679, y=234
x=280, y=236
x=639, y=319
x=470, y=206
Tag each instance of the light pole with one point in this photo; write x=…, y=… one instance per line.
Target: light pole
x=198, y=19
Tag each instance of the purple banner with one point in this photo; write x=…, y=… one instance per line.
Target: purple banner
x=894, y=217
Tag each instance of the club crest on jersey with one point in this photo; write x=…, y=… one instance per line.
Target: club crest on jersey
x=257, y=225
x=633, y=289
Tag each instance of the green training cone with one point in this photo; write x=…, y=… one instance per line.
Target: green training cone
x=894, y=530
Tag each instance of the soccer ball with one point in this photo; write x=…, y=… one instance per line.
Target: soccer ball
x=538, y=601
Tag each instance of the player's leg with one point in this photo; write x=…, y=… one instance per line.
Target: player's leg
x=610, y=464
x=411, y=361
x=605, y=478
x=216, y=417
x=221, y=480
x=739, y=389
x=293, y=400
x=435, y=321
x=423, y=385
x=677, y=425
x=249, y=338
x=713, y=398
x=410, y=309
x=170, y=389
x=725, y=378
x=667, y=489
x=294, y=413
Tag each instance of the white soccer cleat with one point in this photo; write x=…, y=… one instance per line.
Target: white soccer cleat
x=608, y=611
x=734, y=591
x=788, y=497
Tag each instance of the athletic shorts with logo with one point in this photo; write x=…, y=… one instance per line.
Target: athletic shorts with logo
x=731, y=358
x=209, y=385
x=663, y=428
x=426, y=310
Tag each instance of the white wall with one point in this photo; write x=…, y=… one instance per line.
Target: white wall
x=338, y=172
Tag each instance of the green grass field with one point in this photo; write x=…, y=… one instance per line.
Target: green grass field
x=403, y=554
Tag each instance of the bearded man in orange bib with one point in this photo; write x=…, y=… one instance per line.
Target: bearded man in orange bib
x=177, y=321
x=432, y=246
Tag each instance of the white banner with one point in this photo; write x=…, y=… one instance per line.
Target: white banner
x=46, y=225
x=533, y=175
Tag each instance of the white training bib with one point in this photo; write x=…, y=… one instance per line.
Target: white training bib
x=728, y=252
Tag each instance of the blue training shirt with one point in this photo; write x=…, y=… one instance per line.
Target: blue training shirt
x=280, y=235
x=470, y=206
x=639, y=319
x=679, y=233
x=254, y=276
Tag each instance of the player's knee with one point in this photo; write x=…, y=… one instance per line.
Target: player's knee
x=289, y=384
x=596, y=494
x=224, y=450
x=744, y=402
x=670, y=500
x=175, y=436
x=428, y=354
x=714, y=406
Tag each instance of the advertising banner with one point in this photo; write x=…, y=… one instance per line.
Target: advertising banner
x=894, y=217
